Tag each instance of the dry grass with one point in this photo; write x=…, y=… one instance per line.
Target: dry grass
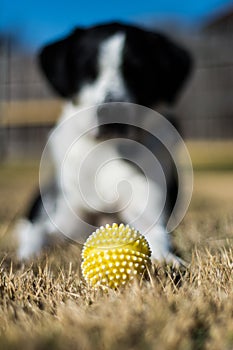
x=46, y=305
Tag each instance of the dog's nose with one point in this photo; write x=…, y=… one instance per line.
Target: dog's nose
x=111, y=98
x=112, y=106
x=112, y=112
x=109, y=117
x=103, y=111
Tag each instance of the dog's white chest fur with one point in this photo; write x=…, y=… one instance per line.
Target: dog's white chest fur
x=93, y=177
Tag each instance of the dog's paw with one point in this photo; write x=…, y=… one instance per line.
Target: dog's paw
x=169, y=258
x=175, y=261
x=29, y=237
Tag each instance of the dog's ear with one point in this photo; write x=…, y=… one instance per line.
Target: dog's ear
x=54, y=60
x=155, y=67
x=174, y=64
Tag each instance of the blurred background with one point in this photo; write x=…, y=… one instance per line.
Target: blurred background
x=29, y=109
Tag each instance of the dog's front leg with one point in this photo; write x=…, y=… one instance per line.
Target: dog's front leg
x=145, y=213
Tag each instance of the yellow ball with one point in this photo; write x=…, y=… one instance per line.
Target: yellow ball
x=114, y=255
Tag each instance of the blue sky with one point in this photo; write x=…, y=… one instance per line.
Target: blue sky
x=38, y=21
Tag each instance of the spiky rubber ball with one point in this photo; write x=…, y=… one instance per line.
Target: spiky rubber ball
x=114, y=255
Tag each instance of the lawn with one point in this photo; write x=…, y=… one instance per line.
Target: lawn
x=45, y=303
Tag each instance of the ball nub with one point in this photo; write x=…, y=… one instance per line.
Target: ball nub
x=114, y=255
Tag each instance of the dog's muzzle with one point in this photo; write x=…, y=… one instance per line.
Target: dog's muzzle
x=113, y=119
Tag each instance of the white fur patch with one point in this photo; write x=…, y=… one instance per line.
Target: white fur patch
x=30, y=236
x=109, y=80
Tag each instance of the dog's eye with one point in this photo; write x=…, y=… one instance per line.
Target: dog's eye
x=88, y=69
x=91, y=72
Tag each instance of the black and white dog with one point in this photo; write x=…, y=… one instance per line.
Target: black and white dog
x=104, y=64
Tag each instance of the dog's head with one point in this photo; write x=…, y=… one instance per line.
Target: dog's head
x=116, y=62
